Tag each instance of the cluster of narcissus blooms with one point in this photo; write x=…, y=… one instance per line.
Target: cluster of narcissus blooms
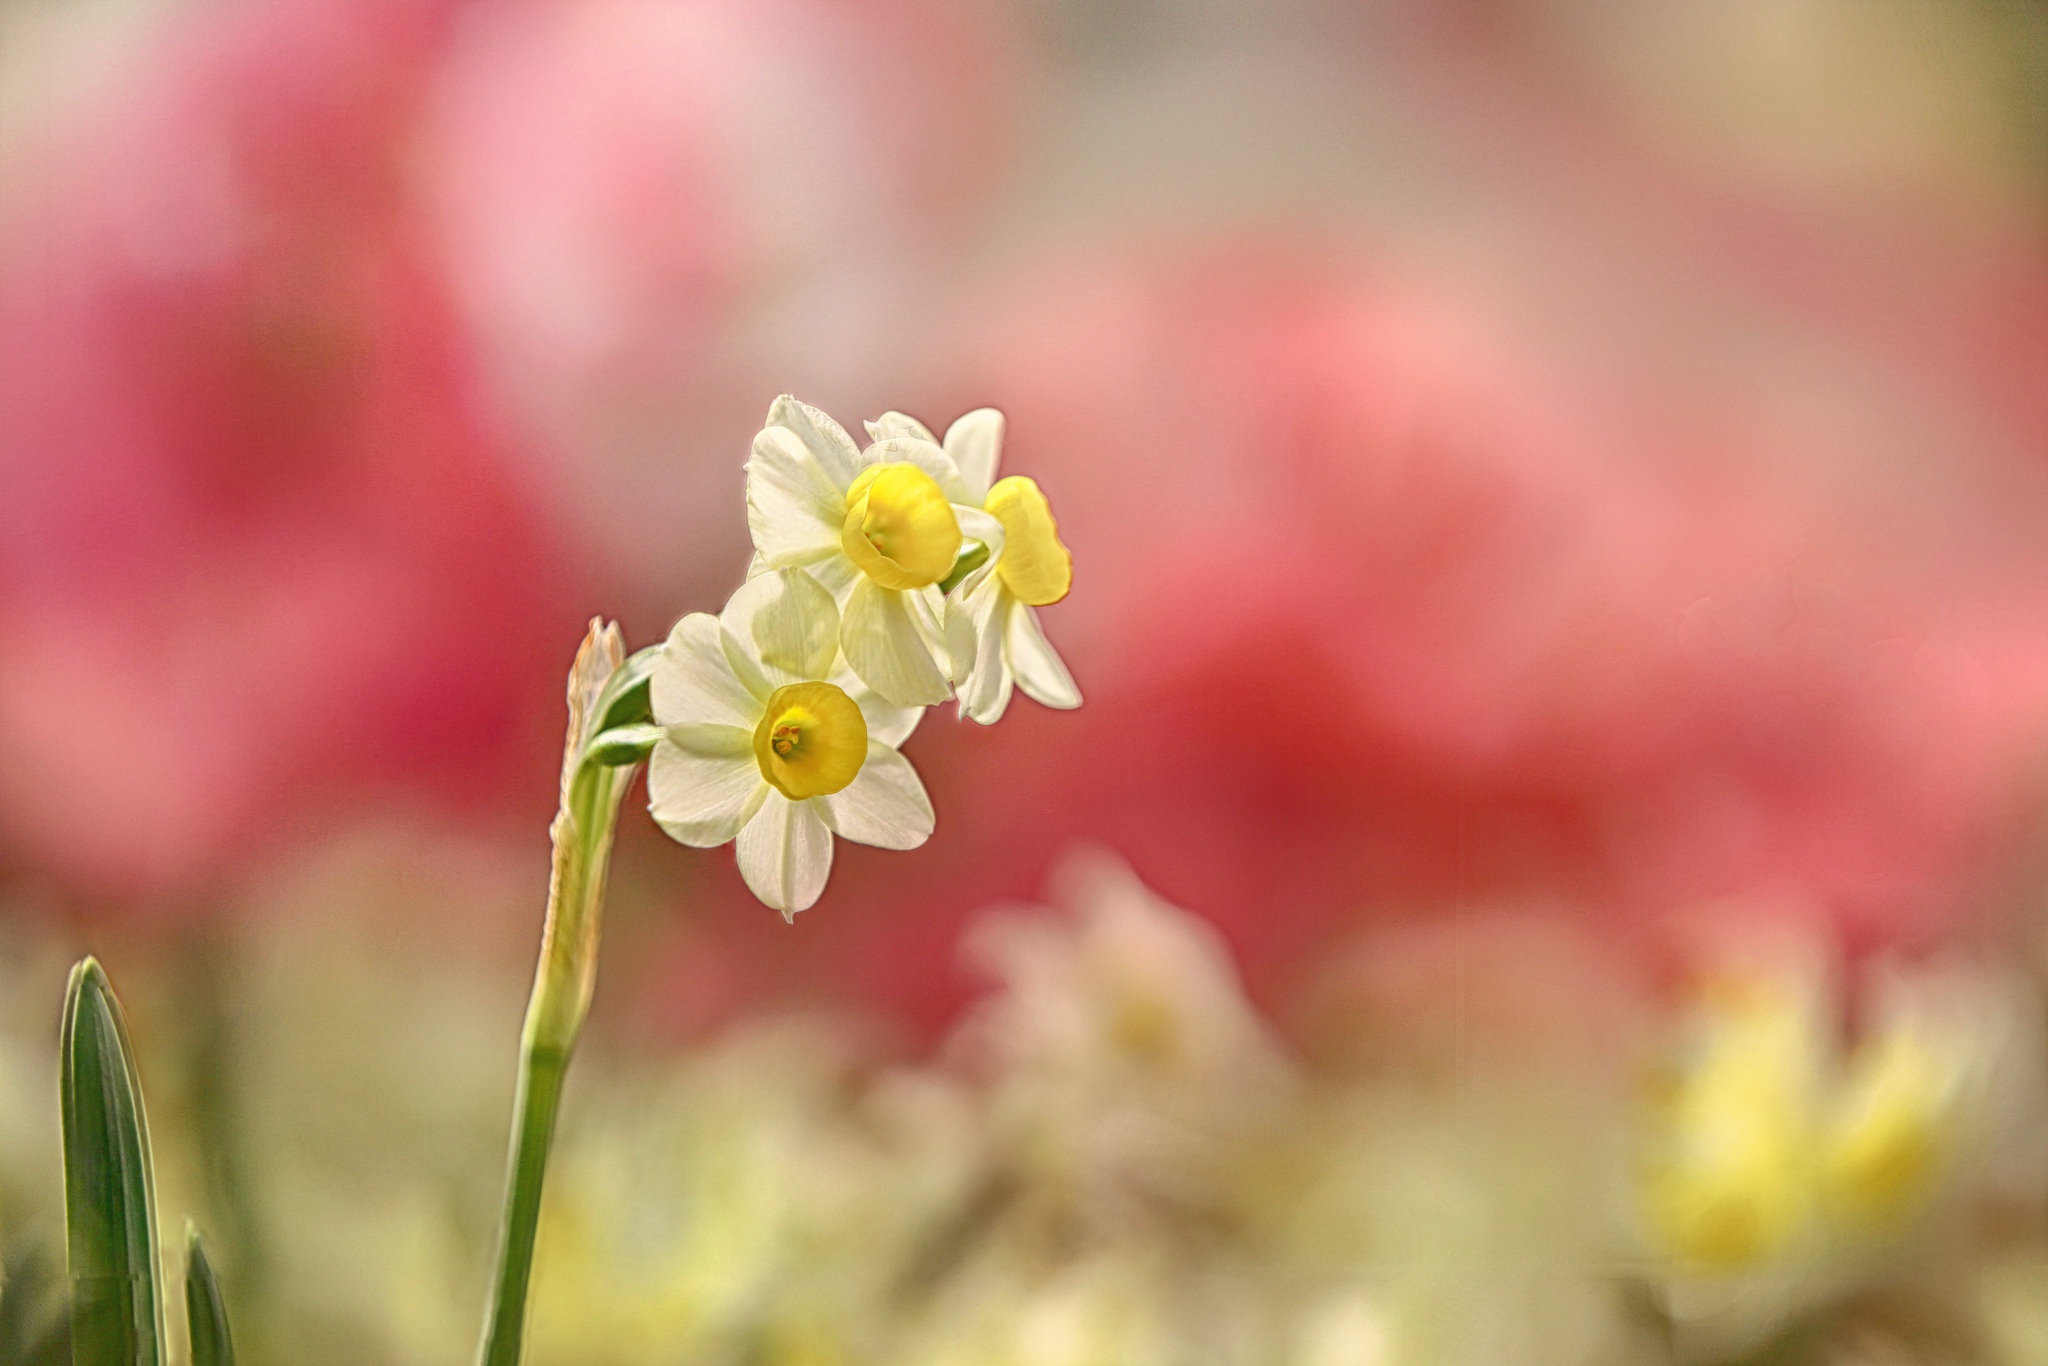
x=884, y=581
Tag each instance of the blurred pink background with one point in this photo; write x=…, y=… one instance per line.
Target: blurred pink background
x=1519, y=453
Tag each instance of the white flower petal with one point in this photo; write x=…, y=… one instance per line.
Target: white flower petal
x=927, y=608
x=746, y=665
x=975, y=441
x=694, y=681
x=1039, y=670
x=957, y=627
x=885, y=649
x=980, y=526
x=899, y=424
x=885, y=805
x=703, y=800
x=793, y=511
x=825, y=439
x=709, y=740
x=836, y=576
x=926, y=455
x=785, y=854
x=887, y=722
x=788, y=622
x=981, y=606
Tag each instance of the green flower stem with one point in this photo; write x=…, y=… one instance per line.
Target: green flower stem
x=592, y=787
x=540, y=1093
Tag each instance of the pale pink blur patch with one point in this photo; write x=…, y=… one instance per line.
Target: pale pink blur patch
x=259, y=547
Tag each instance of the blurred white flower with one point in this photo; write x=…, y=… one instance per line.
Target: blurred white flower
x=768, y=743
x=742, y=1204
x=1344, y=1328
x=880, y=529
x=1123, y=1061
x=1101, y=1310
x=997, y=602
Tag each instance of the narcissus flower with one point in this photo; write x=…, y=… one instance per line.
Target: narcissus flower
x=768, y=741
x=881, y=530
x=996, y=604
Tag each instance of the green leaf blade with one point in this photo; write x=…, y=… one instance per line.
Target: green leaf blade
x=109, y=1199
x=206, y=1313
x=625, y=698
x=621, y=745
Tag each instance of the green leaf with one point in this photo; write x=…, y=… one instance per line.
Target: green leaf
x=621, y=745
x=116, y=1311
x=624, y=700
x=206, y=1315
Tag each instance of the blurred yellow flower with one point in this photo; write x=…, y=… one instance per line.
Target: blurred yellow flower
x=1784, y=1168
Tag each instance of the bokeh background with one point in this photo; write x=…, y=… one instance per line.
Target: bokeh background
x=1559, y=497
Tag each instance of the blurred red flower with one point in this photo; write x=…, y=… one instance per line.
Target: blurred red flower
x=259, y=545
x=348, y=347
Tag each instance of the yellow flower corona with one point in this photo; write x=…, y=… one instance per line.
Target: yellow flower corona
x=1732, y=1209
x=1887, y=1145
x=1768, y=1146
x=811, y=741
x=899, y=529
x=1732, y=1189
x=1735, y=1194
x=1036, y=567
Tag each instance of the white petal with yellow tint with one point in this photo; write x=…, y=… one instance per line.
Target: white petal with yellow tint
x=785, y=854
x=787, y=621
x=825, y=440
x=702, y=784
x=894, y=424
x=1040, y=673
x=885, y=806
x=924, y=453
x=885, y=649
x=745, y=664
x=952, y=649
x=836, y=575
x=975, y=442
x=981, y=526
x=694, y=681
x=887, y=722
x=793, y=507
x=962, y=643
x=976, y=610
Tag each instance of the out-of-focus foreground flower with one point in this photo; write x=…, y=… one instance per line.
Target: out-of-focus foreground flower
x=1485, y=1142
